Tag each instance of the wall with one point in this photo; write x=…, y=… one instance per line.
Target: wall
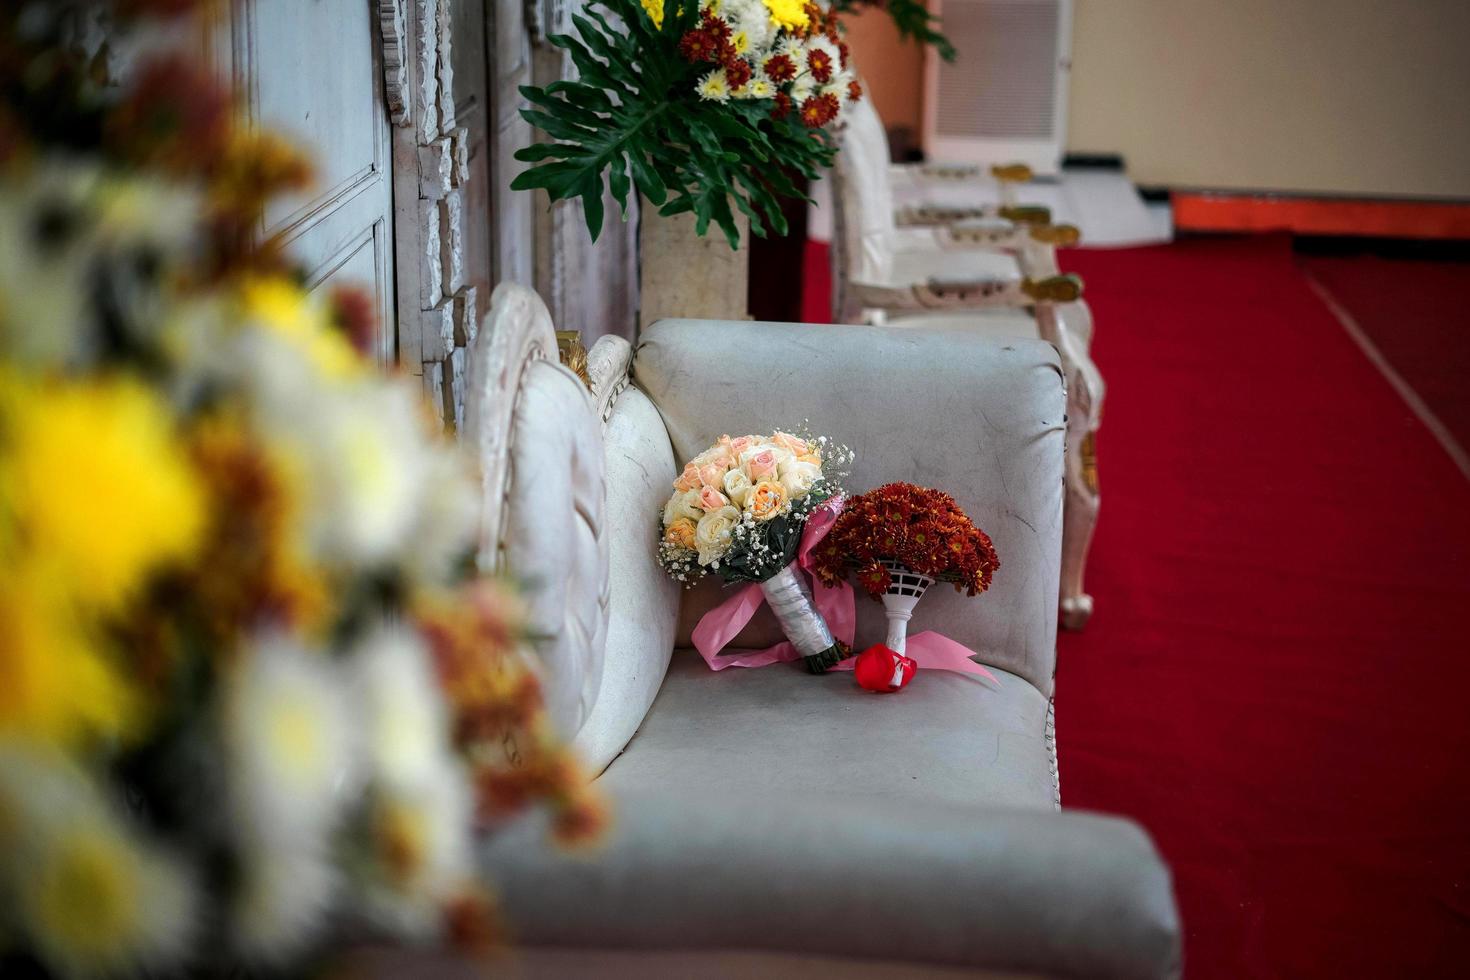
x=892, y=68
x=1355, y=97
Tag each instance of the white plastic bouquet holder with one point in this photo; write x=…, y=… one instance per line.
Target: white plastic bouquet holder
x=904, y=592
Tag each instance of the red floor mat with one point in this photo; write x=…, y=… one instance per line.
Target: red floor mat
x=1415, y=313
x=1275, y=681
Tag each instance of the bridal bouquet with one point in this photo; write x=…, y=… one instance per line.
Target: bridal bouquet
x=739, y=509
x=704, y=106
x=898, y=540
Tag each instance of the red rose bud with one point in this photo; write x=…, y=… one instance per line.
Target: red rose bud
x=882, y=670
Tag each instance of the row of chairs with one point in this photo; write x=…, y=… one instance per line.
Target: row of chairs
x=949, y=246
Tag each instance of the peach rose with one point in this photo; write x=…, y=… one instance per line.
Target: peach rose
x=766, y=500
x=712, y=475
x=711, y=499
x=814, y=457
x=786, y=440
x=761, y=465
x=680, y=534
x=740, y=444
x=687, y=480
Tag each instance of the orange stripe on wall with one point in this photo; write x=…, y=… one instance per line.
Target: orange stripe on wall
x=1320, y=216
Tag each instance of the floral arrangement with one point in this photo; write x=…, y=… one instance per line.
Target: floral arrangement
x=739, y=509
x=253, y=690
x=915, y=527
x=703, y=107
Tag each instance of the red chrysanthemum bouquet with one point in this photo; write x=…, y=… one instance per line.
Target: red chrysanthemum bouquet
x=898, y=540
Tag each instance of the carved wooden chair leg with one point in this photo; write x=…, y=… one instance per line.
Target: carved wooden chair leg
x=1079, y=521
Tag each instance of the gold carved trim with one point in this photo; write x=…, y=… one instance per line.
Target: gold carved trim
x=571, y=352
x=1089, y=462
x=1011, y=173
x=1062, y=236
x=1029, y=214
x=1054, y=289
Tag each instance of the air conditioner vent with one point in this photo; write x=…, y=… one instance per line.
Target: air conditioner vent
x=1004, y=95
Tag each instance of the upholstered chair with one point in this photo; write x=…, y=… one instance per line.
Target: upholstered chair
x=992, y=277
x=768, y=819
x=941, y=192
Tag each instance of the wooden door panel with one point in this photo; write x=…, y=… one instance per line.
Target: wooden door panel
x=312, y=71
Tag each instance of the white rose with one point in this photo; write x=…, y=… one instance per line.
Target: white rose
x=798, y=478
x=737, y=486
x=684, y=504
x=712, y=535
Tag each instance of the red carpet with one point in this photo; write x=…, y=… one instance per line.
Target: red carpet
x=1414, y=312
x=1276, y=677
x=1275, y=682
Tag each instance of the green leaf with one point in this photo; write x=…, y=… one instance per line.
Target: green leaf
x=617, y=181
x=591, y=191
x=648, y=180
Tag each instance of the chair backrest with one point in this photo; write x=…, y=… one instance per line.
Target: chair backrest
x=979, y=417
x=536, y=437
x=573, y=488
x=863, y=197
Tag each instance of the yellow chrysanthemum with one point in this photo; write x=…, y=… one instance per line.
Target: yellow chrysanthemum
x=655, y=11
x=99, y=489
x=788, y=14
x=57, y=688
x=287, y=310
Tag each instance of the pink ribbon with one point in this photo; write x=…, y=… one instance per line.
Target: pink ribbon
x=930, y=650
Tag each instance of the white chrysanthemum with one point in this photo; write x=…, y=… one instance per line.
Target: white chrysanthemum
x=447, y=514
x=407, y=727
x=284, y=897
x=751, y=19
x=759, y=88
x=838, y=90
x=424, y=837
x=714, y=87
x=362, y=457
x=794, y=48
x=289, y=740
x=91, y=896
x=802, y=89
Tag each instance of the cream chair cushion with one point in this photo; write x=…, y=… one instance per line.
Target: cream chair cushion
x=643, y=600
x=982, y=419
x=947, y=737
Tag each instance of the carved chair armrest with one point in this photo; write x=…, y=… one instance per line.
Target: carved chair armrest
x=1006, y=234
x=608, y=364
x=1053, y=894
x=944, y=214
x=1021, y=292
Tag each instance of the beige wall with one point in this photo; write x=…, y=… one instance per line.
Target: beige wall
x=892, y=68
x=1365, y=97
